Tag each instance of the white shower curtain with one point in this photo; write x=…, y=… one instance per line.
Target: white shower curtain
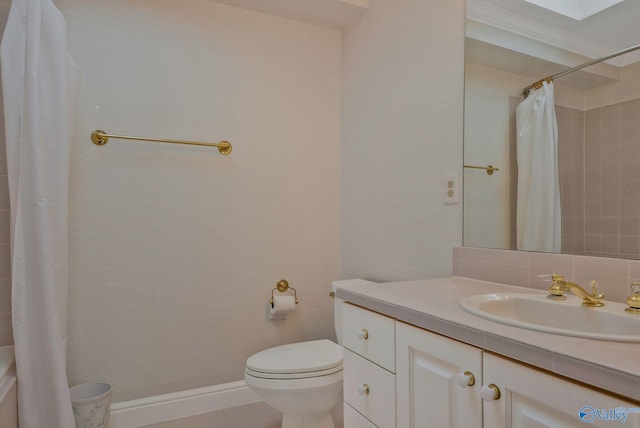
x=39, y=82
x=538, y=220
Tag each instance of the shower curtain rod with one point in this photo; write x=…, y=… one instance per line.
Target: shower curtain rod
x=538, y=84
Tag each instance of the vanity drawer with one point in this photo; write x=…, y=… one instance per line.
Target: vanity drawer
x=353, y=419
x=370, y=389
x=369, y=334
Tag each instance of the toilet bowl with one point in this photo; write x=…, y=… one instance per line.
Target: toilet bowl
x=302, y=380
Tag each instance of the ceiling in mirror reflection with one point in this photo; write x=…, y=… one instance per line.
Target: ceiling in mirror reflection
x=575, y=9
x=611, y=30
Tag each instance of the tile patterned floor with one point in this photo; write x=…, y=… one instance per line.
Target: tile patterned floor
x=257, y=415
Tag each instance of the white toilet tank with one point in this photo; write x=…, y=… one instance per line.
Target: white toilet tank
x=337, y=304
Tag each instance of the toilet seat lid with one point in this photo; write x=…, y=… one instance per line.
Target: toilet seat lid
x=303, y=357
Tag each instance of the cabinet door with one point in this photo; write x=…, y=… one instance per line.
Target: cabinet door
x=531, y=398
x=427, y=388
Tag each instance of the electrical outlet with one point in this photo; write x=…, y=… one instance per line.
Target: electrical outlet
x=451, y=189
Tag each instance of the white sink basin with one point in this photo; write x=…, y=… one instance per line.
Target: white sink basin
x=565, y=317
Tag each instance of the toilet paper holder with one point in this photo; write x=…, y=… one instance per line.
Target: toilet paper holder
x=282, y=286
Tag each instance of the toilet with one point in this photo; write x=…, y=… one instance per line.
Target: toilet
x=302, y=380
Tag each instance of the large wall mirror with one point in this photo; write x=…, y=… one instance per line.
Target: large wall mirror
x=509, y=45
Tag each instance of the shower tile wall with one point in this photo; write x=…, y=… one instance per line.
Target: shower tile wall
x=612, y=180
x=600, y=183
x=571, y=169
x=6, y=333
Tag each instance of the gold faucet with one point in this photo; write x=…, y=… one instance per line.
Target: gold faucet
x=560, y=286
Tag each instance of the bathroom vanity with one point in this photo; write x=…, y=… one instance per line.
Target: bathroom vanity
x=415, y=358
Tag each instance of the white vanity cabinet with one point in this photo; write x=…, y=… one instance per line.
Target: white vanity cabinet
x=531, y=398
x=438, y=380
x=369, y=367
x=396, y=374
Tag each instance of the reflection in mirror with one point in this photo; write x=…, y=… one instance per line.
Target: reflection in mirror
x=509, y=45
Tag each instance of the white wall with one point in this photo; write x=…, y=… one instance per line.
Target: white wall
x=403, y=65
x=175, y=250
x=489, y=97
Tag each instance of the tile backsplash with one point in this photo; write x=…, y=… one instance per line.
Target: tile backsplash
x=522, y=268
x=612, y=180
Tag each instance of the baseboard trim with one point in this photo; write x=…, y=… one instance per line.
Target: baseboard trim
x=159, y=408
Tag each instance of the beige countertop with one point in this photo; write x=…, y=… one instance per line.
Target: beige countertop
x=434, y=305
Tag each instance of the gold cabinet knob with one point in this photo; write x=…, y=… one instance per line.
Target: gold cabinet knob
x=363, y=389
x=363, y=334
x=465, y=379
x=490, y=392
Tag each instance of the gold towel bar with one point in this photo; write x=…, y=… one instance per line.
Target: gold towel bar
x=489, y=168
x=100, y=138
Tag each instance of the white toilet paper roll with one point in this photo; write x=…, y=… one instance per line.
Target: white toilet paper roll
x=282, y=305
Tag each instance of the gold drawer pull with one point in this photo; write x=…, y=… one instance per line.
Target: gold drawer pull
x=363, y=389
x=363, y=334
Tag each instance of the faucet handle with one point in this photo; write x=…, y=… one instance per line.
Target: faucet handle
x=633, y=301
x=594, y=290
x=556, y=291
